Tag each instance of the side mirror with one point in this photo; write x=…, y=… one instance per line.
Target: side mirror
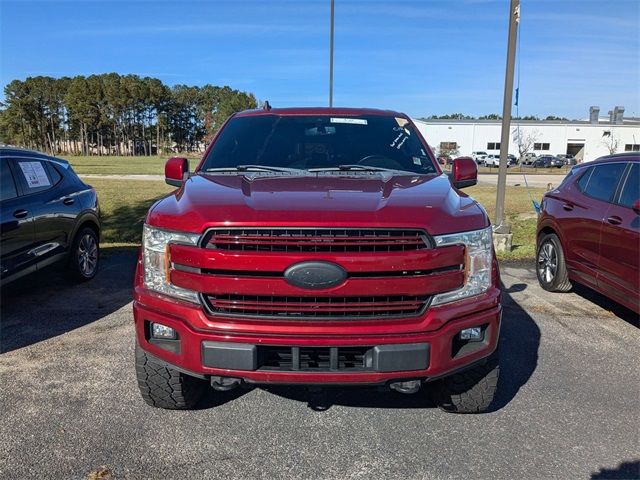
x=176, y=171
x=464, y=172
x=636, y=206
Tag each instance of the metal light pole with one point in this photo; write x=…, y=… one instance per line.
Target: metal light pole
x=514, y=18
x=331, y=60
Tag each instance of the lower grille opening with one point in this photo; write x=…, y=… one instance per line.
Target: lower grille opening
x=316, y=307
x=313, y=358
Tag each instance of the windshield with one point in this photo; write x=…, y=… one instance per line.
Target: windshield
x=320, y=142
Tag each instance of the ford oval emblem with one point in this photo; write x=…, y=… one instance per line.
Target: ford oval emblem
x=315, y=275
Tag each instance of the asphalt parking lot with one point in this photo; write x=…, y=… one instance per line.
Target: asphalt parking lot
x=567, y=404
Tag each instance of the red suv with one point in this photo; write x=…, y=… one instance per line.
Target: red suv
x=589, y=230
x=318, y=247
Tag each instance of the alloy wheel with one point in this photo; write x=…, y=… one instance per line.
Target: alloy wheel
x=547, y=262
x=87, y=255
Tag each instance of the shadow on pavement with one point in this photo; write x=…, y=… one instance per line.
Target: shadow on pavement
x=626, y=470
x=618, y=310
x=519, y=343
x=212, y=398
x=45, y=304
x=516, y=287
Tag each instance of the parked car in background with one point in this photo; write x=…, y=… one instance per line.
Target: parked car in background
x=300, y=252
x=528, y=158
x=512, y=159
x=479, y=157
x=492, y=160
x=567, y=158
x=547, y=161
x=48, y=216
x=589, y=230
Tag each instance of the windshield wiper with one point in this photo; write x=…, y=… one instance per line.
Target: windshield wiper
x=252, y=168
x=356, y=168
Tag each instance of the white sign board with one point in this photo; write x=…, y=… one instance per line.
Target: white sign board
x=34, y=174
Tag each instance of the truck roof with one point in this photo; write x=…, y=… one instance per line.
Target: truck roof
x=320, y=111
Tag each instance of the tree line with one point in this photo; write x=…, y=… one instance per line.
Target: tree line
x=113, y=114
x=491, y=116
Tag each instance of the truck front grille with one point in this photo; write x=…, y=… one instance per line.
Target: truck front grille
x=317, y=307
x=317, y=240
x=241, y=273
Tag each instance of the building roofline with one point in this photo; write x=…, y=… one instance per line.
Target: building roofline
x=627, y=122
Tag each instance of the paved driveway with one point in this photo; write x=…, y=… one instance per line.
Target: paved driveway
x=567, y=408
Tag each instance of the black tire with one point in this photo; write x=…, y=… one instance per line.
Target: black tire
x=84, y=256
x=470, y=391
x=164, y=387
x=551, y=268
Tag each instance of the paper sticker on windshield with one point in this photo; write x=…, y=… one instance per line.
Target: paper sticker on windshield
x=352, y=121
x=417, y=161
x=34, y=174
x=401, y=121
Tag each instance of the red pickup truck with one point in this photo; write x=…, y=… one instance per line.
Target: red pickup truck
x=318, y=246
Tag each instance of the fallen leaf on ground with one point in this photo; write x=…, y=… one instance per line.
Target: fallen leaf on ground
x=101, y=473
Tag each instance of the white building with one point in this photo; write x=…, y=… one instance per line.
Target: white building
x=586, y=140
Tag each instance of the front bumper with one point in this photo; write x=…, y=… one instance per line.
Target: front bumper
x=424, y=355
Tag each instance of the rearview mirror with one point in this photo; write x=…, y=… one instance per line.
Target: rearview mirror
x=176, y=171
x=636, y=206
x=464, y=172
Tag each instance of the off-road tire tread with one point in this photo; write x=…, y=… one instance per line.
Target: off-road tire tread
x=164, y=387
x=470, y=391
x=561, y=282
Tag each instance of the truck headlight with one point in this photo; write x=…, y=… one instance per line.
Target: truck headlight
x=156, y=261
x=479, y=258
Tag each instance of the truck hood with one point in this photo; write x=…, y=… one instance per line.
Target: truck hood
x=363, y=199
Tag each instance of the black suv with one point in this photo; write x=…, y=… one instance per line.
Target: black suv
x=48, y=216
x=548, y=161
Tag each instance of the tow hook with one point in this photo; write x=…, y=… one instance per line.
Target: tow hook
x=408, y=387
x=222, y=384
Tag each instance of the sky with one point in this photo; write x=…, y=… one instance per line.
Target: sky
x=420, y=57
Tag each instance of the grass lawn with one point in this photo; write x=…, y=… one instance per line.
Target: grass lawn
x=122, y=165
x=520, y=215
x=110, y=165
x=527, y=170
x=124, y=204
